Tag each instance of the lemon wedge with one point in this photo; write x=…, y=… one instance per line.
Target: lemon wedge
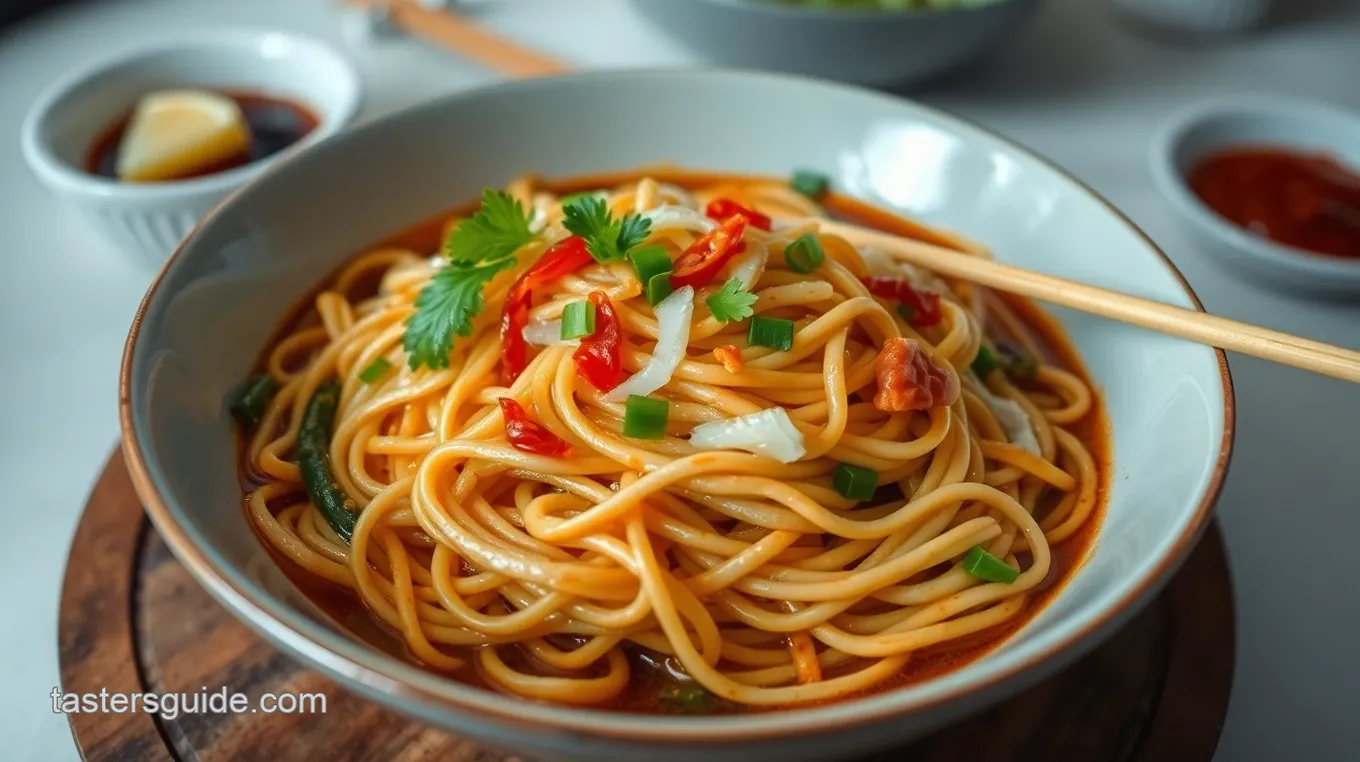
x=177, y=133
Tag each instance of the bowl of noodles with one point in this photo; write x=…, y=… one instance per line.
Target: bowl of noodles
x=588, y=435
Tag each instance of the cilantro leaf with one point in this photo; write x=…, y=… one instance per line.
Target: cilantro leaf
x=731, y=302
x=585, y=215
x=498, y=228
x=633, y=230
x=607, y=239
x=445, y=307
x=477, y=249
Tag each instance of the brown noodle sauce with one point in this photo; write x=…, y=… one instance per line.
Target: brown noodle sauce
x=649, y=674
x=275, y=124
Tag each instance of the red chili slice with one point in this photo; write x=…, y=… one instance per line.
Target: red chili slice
x=600, y=357
x=722, y=208
x=924, y=304
x=524, y=433
x=565, y=256
x=704, y=258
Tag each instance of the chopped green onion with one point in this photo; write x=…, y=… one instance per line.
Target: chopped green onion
x=775, y=333
x=658, y=288
x=649, y=262
x=805, y=254
x=984, y=565
x=645, y=418
x=811, y=184
x=908, y=314
x=688, y=698
x=314, y=460
x=1016, y=360
x=578, y=319
x=252, y=400
x=853, y=482
x=985, y=362
x=375, y=371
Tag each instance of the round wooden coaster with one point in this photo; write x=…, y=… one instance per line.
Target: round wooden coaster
x=133, y=620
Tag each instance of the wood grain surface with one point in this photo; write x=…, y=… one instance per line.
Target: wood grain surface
x=132, y=619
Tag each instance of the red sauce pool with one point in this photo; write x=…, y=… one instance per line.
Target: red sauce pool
x=275, y=124
x=1309, y=201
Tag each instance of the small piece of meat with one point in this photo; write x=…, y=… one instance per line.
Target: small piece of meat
x=730, y=357
x=909, y=379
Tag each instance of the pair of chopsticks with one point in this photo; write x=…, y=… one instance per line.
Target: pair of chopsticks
x=1186, y=323
x=448, y=30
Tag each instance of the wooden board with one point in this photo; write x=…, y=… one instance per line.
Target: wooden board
x=132, y=619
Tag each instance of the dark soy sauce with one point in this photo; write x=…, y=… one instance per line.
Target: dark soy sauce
x=275, y=124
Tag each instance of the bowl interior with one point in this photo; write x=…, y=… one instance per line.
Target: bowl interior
x=1267, y=122
x=215, y=305
x=79, y=108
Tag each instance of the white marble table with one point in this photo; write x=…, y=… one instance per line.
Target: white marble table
x=1073, y=85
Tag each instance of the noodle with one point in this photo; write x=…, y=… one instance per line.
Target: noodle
x=755, y=578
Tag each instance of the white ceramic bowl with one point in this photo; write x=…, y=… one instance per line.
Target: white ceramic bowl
x=1245, y=121
x=867, y=47
x=214, y=305
x=148, y=220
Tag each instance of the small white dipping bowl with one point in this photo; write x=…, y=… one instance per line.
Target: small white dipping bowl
x=1268, y=121
x=148, y=220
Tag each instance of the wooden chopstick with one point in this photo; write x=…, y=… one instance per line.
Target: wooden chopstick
x=1165, y=318
x=450, y=31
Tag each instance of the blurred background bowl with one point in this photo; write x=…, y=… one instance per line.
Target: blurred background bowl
x=880, y=48
x=1247, y=121
x=1199, y=16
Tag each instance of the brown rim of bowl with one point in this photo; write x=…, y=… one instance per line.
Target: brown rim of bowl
x=688, y=731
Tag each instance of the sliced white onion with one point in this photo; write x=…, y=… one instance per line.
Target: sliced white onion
x=671, y=216
x=646, y=193
x=747, y=267
x=546, y=334
x=879, y=262
x=1012, y=417
x=538, y=213
x=672, y=328
x=676, y=194
x=769, y=433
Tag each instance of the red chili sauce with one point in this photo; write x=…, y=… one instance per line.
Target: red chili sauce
x=1310, y=201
